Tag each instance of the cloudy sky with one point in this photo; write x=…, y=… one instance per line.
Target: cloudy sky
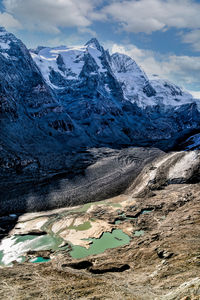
x=163, y=36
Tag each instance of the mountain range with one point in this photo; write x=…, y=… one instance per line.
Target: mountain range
x=59, y=107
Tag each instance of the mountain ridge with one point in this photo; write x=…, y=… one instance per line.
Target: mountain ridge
x=102, y=82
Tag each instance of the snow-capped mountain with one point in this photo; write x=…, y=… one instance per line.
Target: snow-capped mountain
x=75, y=69
x=68, y=63
x=134, y=82
x=59, y=106
x=112, y=99
x=58, y=100
x=144, y=92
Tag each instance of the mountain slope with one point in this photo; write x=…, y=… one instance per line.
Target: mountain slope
x=32, y=122
x=139, y=89
x=113, y=100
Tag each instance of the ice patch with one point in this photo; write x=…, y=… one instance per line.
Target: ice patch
x=4, y=45
x=5, y=55
x=13, y=251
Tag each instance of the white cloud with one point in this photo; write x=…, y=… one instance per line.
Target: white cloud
x=195, y=94
x=49, y=15
x=83, y=30
x=183, y=70
x=152, y=15
x=130, y=15
x=193, y=38
x=70, y=41
x=8, y=21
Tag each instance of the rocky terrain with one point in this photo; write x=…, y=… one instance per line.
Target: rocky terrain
x=142, y=244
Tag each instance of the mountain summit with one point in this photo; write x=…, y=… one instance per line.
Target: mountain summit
x=94, y=43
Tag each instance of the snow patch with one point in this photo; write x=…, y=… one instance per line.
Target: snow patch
x=4, y=45
x=13, y=250
x=96, y=54
x=5, y=55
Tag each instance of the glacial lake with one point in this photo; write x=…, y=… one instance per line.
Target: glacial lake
x=108, y=240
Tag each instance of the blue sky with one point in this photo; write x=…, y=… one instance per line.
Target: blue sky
x=163, y=36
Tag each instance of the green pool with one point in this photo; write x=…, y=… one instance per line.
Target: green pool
x=39, y=260
x=107, y=241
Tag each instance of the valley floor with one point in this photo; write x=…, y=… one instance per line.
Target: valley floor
x=160, y=261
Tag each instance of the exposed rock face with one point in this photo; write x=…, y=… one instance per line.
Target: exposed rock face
x=191, y=143
x=32, y=122
x=36, y=133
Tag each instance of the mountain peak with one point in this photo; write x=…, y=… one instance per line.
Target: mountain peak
x=95, y=43
x=7, y=36
x=124, y=63
x=2, y=29
x=3, y=32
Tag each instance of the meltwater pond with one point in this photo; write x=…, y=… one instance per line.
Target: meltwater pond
x=13, y=248
x=108, y=240
x=39, y=259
